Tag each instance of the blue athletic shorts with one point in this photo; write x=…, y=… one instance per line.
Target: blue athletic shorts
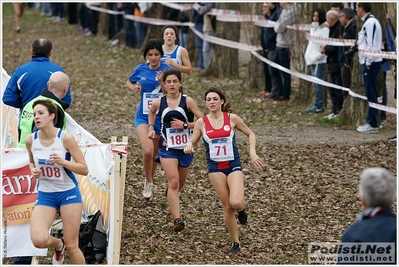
x=140, y=120
x=58, y=199
x=228, y=167
x=183, y=159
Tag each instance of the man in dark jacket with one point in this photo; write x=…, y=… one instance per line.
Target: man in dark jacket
x=336, y=29
x=271, y=11
x=377, y=223
x=348, y=21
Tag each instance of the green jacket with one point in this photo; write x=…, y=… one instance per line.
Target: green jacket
x=26, y=122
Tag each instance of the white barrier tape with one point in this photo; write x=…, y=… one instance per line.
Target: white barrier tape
x=350, y=42
x=227, y=43
x=253, y=49
x=104, y=10
x=322, y=82
x=177, y=6
x=240, y=18
x=330, y=41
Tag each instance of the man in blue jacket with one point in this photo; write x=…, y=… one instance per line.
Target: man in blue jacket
x=29, y=79
x=377, y=223
x=271, y=11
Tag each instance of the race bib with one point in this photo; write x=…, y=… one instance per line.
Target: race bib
x=147, y=101
x=221, y=149
x=177, y=139
x=50, y=172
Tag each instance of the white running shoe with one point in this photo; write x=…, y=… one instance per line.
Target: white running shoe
x=147, y=192
x=367, y=129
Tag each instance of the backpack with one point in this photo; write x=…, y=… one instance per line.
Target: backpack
x=93, y=239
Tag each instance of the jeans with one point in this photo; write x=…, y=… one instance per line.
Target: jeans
x=183, y=38
x=207, y=49
x=370, y=78
x=141, y=32
x=384, y=96
x=337, y=98
x=130, y=33
x=318, y=71
x=266, y=72
x=282, y=78
x=46, y=8
x=199, y=45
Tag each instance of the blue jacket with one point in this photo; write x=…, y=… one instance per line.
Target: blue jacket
x=28, y=81
x=380, y=228
x=268, y=38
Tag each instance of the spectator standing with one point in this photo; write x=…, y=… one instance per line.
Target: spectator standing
x=198, y=21
x=94, y=18
x=337, y=6
x=147, y=79
x=348, y=21
x=58, y=12
x=176, y=111
x=19, y=11
x=141, y=27
x=29, y=79
x=53, y=149
x=209, y=28
x=174, y=55
x=57, y=85
x=224, y=166
x=271, y=11
x=316, y=59
x=84, y=18
x=130, y=31
x=284, y=40
x=377, y=222
x=117, y=23
x=72, y=13
x=370, y=39
x=334, y=69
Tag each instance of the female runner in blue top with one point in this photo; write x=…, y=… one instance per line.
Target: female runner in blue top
x=146, y=79
x=174, y=54
x=224, y=166
x=50, y=150
x=176, y=112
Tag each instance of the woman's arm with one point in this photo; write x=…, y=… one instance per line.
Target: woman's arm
x=151, y=118
x=193, y=107
x=134, y=87
x=240, y=125
x=78, y=165
x=197, y=133
x=35, y=171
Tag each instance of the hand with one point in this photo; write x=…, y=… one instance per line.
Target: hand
x=189, y=149
x=159, y=76
x=55, y=158
x=258, y=163
x=169, y=61
x=35, y=172
x=152, y=135
x=177, y=124
x=136, y=88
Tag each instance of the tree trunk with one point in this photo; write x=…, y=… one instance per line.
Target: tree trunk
x=224, y=62
x=254, y=77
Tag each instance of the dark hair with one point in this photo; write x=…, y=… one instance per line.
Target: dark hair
x=153, y=44
x=322, y=15
x=366, y=6
x=226, y=105
x=172, y=71
x=348, y=13
x=174, y=29
x=51, y=107
x=42, y=47
x=339, y=5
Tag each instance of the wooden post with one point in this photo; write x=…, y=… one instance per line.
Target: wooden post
x=118, y=191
